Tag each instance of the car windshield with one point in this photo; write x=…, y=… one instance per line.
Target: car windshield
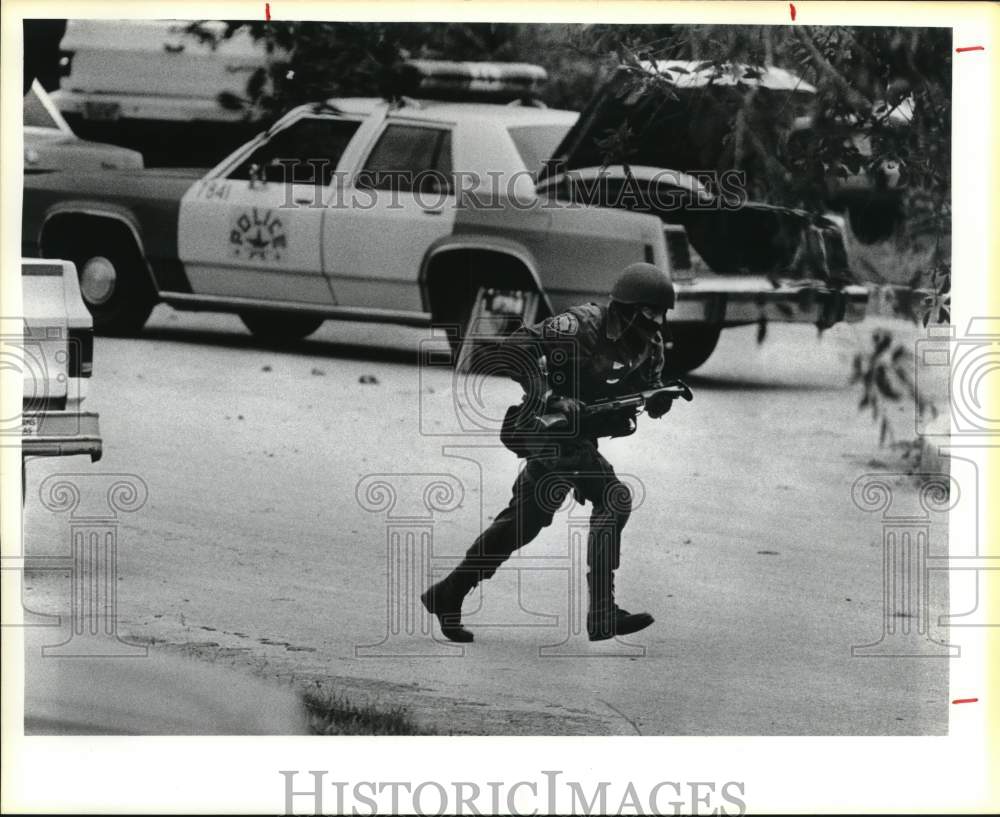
x=537, y=143
x=35, y=115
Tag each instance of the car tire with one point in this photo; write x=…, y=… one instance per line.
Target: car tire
x=114, y=285
x=692, y=346
x=280, y=327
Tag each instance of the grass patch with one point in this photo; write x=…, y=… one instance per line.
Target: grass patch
x=332, y=713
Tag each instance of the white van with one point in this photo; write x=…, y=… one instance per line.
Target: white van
x=150, y=86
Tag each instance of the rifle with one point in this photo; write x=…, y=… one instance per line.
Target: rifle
x=613, y=405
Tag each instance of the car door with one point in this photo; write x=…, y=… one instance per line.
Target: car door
x=401, y=201
x=254, y=230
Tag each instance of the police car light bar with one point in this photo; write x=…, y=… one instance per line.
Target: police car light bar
x=493, y=81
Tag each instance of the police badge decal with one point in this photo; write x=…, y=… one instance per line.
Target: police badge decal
x=258, y=235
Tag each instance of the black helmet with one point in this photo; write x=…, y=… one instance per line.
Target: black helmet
x=644, y=284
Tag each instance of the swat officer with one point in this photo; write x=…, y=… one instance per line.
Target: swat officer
x=587, y=353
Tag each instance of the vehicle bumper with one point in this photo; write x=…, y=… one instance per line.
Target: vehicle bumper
x=61, y=434
x=732, y=301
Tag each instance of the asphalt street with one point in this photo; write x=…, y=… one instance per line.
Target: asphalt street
x=299, y=500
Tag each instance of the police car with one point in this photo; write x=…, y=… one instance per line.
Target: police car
x=406, y=212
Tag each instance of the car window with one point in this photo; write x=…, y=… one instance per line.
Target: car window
x=309, y=150
x=408, y=157
x=35, y=115
x=537, y=143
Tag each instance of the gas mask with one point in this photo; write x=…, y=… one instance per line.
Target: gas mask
x=641, y=321
x=648, y=320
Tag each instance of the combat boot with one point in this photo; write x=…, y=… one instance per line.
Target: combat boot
x=605, y=619
x=444, y=600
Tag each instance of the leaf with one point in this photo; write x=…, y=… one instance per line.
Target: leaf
x=885, y=385
x=882, y=340
x=856, y=370
x=761, y=329
x=883, y=431
x=902, y=374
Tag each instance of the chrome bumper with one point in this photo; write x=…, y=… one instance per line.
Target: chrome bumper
x=731, y=301
x=61, y=434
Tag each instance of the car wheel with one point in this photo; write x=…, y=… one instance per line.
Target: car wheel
x=114, y=286
x=280, y=327
x=693, y=346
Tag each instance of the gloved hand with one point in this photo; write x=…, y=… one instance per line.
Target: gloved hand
x=569, y=406
x=659, y=405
